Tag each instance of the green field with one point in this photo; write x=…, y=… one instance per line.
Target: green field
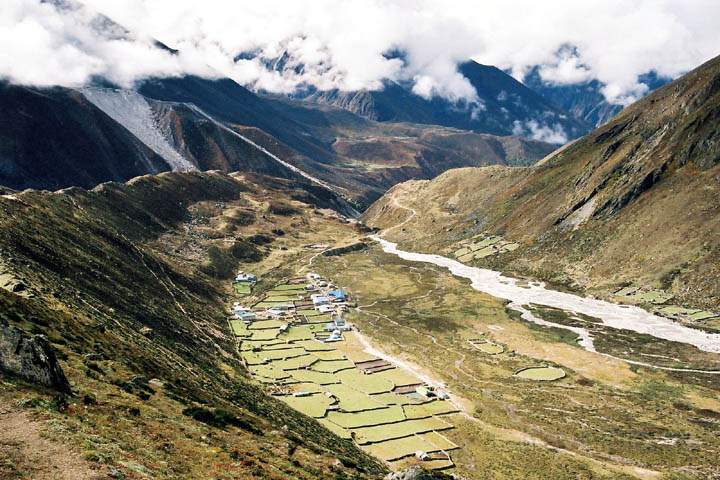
x=313, y=405
x=365, y=383
x=367, y=418
x=242, y=288
x=297, y=332
x=239, y=328
x=352, y=400
x=332, y=366
x=398, y=377
x=399, y=430
x=281, y=298
x=319, y=378
x=424, y=410
x=303, y=361
x=288, y=287
x=266, y=324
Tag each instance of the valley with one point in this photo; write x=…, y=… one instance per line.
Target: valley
x=306, y=241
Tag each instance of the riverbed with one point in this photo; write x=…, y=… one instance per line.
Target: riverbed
x=610, y=314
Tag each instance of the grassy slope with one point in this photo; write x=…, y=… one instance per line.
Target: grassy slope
x=123, y=285
x=649, y=178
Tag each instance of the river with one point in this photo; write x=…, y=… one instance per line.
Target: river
x=610, y=314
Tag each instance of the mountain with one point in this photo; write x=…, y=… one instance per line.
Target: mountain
x=56, y=138
x=504, y=106
x=585, y=100
x=633, y=203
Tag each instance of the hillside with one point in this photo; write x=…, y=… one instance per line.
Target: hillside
x=129, y=282
x=632, y=204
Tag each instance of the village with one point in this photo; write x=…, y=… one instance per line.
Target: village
x=296, y=340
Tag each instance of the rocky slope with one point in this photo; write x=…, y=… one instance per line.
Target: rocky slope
x=634, y=202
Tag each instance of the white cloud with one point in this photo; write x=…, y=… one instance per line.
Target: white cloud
x=341, y=43
x=545, y=133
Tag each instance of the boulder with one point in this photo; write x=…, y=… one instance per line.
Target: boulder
x=31, y=358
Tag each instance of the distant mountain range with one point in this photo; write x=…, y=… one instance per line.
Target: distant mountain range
x=503, y=106
x=585, y=101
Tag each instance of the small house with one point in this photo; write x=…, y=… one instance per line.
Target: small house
x=243, y=277
x=278, y=310
x=325, y=308
x=247, y=317
x=335, y=336
x=319, y=299
x=337, y=295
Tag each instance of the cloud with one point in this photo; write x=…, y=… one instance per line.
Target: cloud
x=345, y=43
x=545, y=133
x=46, y=44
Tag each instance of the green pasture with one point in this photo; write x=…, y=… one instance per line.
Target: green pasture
x=312, y=405
x=332, y=366
x=239, y=328
x=392, y=431
x=365, y=383
x=266, y=324
x=428, y=409
x=352, y=400
x=312, y=376
x=398, y=377
x=367, y=418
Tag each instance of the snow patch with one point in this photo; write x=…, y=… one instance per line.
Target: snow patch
x=132, y=111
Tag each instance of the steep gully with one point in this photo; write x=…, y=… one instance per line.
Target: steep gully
x=611, y=315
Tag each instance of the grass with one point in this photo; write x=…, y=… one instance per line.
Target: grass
x=259, y=335
x=268, y=371
x=392, y=431
x=541, y=373
x=369, y=384
x=312, y=405
x=304, y=361
x=429, y=409
x=242, y=288
x=332, y=366
x=491, y=348
x=280, y=354
x=265, y=324
x=367, y=418
x=398, y=377
x=402, y=447
x=320, y=378
x=288, y=287
x=239, y=328
x=297, y=332
x=352, y=400
x=314, y=346
x=281, y=298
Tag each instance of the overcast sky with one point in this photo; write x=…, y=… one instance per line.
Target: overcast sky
x=341, y=42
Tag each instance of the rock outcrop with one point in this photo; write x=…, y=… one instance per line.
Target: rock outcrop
x=30, y=357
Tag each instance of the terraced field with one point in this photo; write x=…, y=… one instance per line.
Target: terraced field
x=481, y=246
x=323, y=381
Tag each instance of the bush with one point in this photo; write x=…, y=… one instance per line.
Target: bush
x=282, y=208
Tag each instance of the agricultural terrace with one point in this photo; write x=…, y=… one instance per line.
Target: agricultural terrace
x=294, y=340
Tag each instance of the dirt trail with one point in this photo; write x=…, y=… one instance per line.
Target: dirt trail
x=26, y=453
